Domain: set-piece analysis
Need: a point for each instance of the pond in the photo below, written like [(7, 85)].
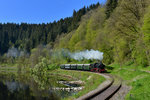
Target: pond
[(26, 87)]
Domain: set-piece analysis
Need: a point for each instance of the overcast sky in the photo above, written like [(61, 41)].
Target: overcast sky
[(39, 11)]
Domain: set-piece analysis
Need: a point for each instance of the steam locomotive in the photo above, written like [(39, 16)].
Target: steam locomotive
[(96, 67)]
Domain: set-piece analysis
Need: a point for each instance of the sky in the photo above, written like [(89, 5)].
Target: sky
[(40, 11)]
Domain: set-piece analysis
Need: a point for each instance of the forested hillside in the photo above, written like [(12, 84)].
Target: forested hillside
[(120, 29), (28, 36)]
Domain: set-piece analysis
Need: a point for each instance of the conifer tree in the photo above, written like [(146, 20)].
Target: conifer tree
[(110, 6)]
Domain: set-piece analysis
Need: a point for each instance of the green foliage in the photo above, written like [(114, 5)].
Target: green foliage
[(78, 37), (123, 27), (52, 67), (146, 34), (41, 68), (146, 26), (117, 34), (85, 35)]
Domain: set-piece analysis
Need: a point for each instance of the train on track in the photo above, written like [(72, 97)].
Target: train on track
[(96, 67)]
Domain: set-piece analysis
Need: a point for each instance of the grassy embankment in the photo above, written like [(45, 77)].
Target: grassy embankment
[(92, 80), (135, 77)]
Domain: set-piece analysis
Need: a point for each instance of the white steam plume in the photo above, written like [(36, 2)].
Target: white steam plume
[(87, 54), (14, 52)]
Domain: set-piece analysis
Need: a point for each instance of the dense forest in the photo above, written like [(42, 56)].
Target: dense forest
[(28, 36), (120, 29)]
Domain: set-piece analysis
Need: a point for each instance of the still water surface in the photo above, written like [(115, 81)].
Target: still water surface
[(21, 87)]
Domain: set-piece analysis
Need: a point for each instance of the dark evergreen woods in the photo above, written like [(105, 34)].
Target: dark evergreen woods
[(28, 36)]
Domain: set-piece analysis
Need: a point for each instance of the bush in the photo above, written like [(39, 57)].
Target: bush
[(52, 67), (42, 67)]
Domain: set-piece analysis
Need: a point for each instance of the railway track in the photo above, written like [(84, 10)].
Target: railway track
[(104, 92)]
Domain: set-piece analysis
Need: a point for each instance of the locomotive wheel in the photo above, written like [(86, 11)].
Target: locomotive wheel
[(99, 71)]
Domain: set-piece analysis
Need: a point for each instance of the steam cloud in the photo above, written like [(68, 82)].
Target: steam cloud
[(80, 55), (87, 54), (14, 52)]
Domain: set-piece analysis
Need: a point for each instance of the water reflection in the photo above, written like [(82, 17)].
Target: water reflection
[(27, 88), (17, 91), (15, 86)]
